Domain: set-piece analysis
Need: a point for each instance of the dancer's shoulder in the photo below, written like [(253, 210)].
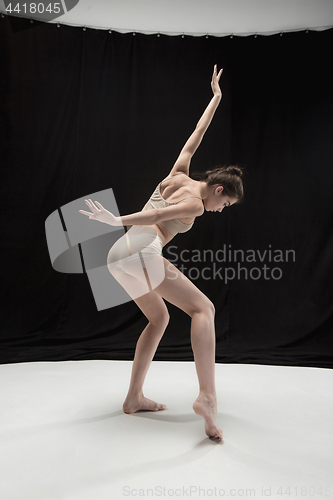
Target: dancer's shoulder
[(182, 164)]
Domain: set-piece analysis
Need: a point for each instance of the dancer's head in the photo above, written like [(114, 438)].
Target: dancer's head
[(221, 187)]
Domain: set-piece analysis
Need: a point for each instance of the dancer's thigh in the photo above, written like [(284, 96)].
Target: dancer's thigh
[(134, 286), (151, 304), (177, 289), (167, 281)]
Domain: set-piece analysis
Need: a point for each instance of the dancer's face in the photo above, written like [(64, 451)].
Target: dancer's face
[(217, 201)]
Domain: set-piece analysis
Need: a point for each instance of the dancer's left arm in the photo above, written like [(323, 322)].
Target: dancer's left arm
[(186, 208), (182, 163), (99, 213)]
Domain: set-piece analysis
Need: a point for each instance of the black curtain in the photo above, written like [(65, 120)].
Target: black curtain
[(87, 110)]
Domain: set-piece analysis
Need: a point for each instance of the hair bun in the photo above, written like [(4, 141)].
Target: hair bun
[(234, 170)]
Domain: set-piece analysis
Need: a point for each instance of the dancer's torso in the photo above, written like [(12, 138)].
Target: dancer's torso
[(168, 192)]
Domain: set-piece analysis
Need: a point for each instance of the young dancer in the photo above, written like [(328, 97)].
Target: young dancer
[(172, 209)]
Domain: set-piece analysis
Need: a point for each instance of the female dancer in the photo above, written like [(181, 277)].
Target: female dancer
[(172, 209)]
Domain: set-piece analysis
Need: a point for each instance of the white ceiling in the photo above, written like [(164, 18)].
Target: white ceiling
[(199, 17)]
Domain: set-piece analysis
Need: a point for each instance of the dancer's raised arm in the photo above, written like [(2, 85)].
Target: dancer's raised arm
[(183, 161)]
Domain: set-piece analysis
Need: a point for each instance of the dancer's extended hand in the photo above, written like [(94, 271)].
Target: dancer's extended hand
[(215, 81), (101, 214)]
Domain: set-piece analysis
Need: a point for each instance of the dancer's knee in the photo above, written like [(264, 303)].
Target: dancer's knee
[(160, 320), (205, 307)]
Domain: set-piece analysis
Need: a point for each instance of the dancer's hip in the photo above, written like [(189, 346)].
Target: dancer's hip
[(140, 243)]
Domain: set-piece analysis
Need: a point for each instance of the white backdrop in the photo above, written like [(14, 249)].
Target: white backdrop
[(199, 17)]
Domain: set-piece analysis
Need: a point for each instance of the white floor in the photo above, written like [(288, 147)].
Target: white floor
[(64, 434)]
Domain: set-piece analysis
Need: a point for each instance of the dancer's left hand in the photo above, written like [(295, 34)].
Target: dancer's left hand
[(100, 214), (215, 81)]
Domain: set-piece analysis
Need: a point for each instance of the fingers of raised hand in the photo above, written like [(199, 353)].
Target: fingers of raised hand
[(99, 205), (91, 205), (85, 213), (215, 69)]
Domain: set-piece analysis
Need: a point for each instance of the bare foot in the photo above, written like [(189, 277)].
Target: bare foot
[(206, 407), (141, 404)]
